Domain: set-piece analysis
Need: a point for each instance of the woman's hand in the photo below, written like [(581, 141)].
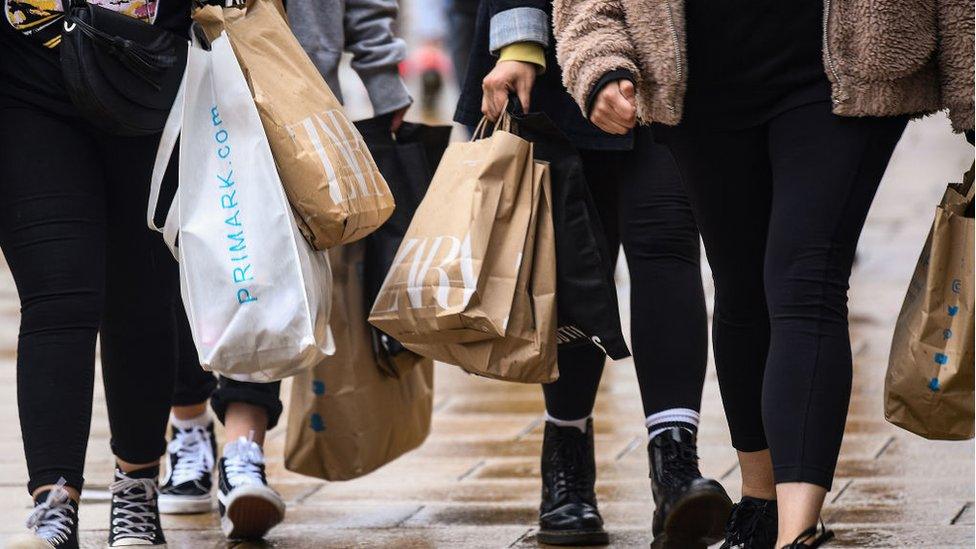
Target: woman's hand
[(506, 77), (615, 108)]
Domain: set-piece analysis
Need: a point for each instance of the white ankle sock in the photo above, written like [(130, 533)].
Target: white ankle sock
[(578, 423), (661, 421), (202, 420)]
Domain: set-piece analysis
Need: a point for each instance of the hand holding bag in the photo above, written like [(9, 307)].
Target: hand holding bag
[(121, 73)]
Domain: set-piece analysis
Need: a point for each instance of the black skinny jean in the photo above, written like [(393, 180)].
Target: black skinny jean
[(643, 206), (73, 231), (780, 207)]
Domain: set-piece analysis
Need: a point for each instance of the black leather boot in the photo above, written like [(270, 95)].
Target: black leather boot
[(691, 511), (568, 514)]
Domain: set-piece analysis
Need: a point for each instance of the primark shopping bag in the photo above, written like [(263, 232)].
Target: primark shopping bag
[(929, 385), (454, 275), (346, 417), (330, 178), (527, 351), (257, 297)]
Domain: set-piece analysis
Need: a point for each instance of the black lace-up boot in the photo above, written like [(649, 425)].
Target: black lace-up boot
[(812, 537), (752, 525), (691, 511), (568, 514)]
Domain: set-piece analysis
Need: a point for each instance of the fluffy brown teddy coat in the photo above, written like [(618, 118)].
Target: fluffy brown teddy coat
[(883, 57)]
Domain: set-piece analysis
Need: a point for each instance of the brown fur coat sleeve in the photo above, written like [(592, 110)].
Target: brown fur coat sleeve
[(591, 40), (956, 60)]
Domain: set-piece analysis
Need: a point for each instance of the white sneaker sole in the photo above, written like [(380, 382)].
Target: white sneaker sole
[(184, 505), (134, 542), (250, 511)]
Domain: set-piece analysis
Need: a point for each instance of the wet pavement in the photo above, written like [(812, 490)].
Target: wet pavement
[(475, 482)]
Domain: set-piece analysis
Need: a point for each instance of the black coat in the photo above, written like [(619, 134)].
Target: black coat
[(548, 94)]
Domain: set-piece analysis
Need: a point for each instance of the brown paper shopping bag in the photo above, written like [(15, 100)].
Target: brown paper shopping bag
[(929, 385), (346, 417), (527, 352), (328, 174), (454, 275)]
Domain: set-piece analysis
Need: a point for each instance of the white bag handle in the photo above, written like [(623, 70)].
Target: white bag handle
[(167, 142)]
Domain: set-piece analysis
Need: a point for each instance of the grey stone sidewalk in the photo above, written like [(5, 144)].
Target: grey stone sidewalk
[(475, 482)]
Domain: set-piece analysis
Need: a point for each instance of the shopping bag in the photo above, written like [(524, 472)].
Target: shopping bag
[(585, 289), (346, 418), (454, 274), (327, 171), (929, 384), (407, 161), (257, 297), (527, 351)]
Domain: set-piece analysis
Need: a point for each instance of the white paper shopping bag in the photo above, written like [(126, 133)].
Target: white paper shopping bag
[(256, 295)]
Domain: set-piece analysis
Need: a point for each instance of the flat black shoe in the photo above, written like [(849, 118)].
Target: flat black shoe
[(752, 525), (568, 514), (691, 511), (814, 536)]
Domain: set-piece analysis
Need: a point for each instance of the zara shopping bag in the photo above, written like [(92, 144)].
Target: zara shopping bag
[(527, 351), (256, 295), (347, 417), (328, 174), (929, 385), (453, 278)]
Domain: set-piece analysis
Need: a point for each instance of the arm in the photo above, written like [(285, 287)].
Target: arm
[(956, 60), (591, 41), (376, 52), (518, 34)]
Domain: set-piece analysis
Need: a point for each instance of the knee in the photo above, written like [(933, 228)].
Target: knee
[(807, 284), (673, 240), (65, 310)]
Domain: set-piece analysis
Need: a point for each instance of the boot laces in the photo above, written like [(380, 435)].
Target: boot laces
[(680, 462), (570, 476), (193, 449), (743, 525), (243, 462), (815, 536), (134, 509), (52, 520)]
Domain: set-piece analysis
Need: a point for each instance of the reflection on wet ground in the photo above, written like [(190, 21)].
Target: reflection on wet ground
[(475, 483)]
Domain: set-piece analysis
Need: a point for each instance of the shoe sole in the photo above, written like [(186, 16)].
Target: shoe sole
[(185, 505), (251, 512), (573, 537), (696, 522)]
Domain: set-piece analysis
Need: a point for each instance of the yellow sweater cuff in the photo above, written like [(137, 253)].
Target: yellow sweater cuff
[(527, 52)]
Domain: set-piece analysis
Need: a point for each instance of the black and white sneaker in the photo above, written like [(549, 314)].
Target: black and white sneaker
[(186, 488), (248, 507), (53, 522), (135, 512)]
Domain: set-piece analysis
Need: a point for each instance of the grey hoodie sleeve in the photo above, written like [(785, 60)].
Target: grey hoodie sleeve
[(376, 52)]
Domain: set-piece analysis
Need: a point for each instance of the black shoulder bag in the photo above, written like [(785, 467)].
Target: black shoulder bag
[(121, 73)]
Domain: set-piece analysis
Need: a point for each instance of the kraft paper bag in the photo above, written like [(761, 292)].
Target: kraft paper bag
[(454, 275), (328, 174), (929, 385), (527, 352), (346, 417)]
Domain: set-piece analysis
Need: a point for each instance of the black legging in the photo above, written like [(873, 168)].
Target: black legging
[(73, 230), (780, 207), (643, 206)]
